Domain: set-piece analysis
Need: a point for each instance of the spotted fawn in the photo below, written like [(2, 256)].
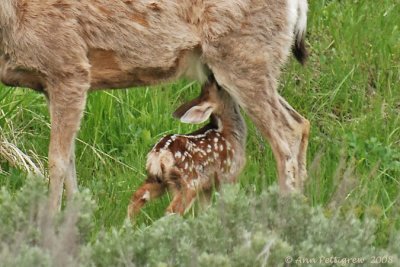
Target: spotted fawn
[(187, 165)]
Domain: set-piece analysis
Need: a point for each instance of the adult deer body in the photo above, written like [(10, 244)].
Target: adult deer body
[(188, 165), (65, 48)]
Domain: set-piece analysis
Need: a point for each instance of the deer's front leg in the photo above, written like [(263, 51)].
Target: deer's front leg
[(66, 106)]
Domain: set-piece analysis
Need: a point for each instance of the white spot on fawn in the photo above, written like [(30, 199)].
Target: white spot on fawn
[(178, 154), (167, 144), (228, 145), (146, 195)]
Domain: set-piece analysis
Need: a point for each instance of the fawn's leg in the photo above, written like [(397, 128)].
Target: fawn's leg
[(186, 191), (66, 103), (205, 198), (207, 189), (152, 188), (182, 201)]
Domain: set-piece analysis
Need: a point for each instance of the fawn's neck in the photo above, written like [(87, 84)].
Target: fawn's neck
[(233, 126)]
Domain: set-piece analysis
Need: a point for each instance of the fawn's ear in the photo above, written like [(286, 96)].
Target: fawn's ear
[(194, 112)]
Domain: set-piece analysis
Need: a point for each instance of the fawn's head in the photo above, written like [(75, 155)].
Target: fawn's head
[(212, 101)]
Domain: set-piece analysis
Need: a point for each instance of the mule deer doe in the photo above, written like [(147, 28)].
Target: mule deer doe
[(66, 48), (194, 163)]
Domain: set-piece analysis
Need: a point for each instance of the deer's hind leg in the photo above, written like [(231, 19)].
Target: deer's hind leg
[(248, 70), (304, 128)]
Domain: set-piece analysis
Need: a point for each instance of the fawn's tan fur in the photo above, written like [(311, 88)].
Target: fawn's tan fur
[(65, 48)]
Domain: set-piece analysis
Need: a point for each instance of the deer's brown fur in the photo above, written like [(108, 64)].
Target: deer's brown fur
[(66, 48)]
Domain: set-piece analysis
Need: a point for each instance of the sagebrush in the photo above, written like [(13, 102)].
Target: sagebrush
[(238, 230)]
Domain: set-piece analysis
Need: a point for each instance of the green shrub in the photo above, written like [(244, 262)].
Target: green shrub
[(237, 230)]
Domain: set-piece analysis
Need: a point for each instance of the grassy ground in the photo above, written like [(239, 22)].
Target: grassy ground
[(349, 90)]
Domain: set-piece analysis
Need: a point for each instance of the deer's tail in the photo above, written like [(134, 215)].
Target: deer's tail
[(299, 48)]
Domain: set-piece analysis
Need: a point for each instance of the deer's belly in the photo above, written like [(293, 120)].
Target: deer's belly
[(18, 77), (109, 70)]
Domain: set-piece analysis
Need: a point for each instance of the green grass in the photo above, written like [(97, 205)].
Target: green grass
[(349, 90)]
